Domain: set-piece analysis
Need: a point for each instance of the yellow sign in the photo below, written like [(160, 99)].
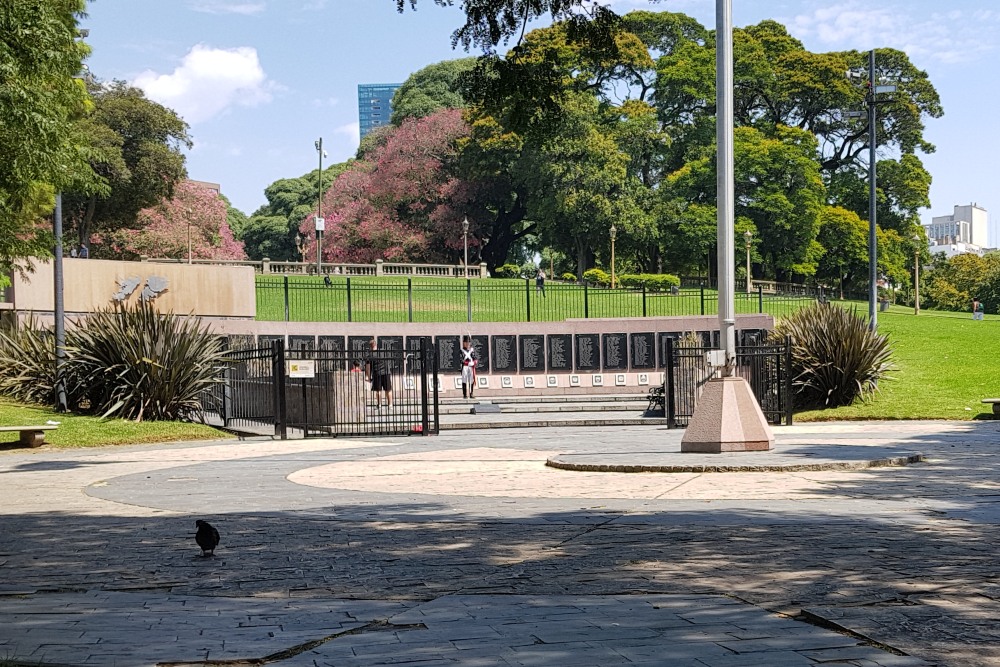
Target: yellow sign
[(302, 368)]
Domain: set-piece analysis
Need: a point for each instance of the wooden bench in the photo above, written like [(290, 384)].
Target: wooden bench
[(996, 404), (31, 436)]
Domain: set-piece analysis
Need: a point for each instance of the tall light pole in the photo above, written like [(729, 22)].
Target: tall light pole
[(917, 241), (871, 90), (748, 237), (614, 233), (189, 235), (465, 241), (320, 222), (62, 404)]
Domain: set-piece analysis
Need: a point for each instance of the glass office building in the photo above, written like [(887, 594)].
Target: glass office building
[(374, 105)]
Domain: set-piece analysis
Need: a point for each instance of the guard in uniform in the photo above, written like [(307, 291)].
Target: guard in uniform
[(470, 358)]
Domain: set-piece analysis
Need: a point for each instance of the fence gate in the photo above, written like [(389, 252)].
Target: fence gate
[(765, 367), (325, 393)]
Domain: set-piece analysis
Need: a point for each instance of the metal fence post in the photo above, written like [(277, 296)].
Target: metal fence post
[(788, 381), (703, 298), (349, 300), (468, 299), (424, 405), (286, 298), (671, 404), (760, 299), (586, 302), (644, 299), (432, 360), (409, 298), (527, 299), (278, 378)]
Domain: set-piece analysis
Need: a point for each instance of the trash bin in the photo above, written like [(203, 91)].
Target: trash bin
[(883, 305)]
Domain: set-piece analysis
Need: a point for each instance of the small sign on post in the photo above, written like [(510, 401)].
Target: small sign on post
[(320, 224), (302, 368)]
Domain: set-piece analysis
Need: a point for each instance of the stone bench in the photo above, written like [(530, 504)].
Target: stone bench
[(996, 404), (31, 436)]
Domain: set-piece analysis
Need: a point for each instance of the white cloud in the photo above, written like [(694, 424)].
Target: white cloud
[(208, 82), (351, 130), (952, 36), (228, 7), (328, 102)]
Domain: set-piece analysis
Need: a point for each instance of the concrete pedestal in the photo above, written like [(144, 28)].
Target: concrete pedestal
[(727, 419)]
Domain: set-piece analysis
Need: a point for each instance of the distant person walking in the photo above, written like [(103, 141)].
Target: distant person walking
[(540, 281), (377, 372), (84, 252), (977, 309)]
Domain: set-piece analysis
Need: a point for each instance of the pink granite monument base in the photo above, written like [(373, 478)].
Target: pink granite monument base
[(727, 418)]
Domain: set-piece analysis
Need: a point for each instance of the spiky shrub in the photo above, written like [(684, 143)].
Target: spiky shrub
[(27, 361), (137, 363), (836, 359)]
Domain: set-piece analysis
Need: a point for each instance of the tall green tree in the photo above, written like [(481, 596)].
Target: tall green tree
[(270, 231), (435, 87), (137, 151), (40, 98)]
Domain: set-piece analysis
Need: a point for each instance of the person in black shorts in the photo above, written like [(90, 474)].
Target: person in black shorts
[(377, 371)]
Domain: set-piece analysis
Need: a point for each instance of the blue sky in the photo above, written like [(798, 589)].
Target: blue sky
[(260, 80)]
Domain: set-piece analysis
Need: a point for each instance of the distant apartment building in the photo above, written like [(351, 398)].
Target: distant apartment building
[(966, 226), (375, 105), (214, 187)]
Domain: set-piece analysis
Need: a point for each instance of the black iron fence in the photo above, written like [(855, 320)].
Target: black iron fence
[(327, 393), (767, 367), (345, 299)]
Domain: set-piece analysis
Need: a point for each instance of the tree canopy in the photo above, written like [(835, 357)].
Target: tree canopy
[(626, 137), (40, 98)]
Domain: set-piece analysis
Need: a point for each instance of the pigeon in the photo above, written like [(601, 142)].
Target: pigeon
[(207, 537)]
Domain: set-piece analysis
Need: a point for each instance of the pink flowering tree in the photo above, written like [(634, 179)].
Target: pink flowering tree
[(402, 202), (195, 217)]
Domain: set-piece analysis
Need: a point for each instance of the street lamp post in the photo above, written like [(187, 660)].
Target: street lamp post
[(614, 233), (59, 311), (917, 240), (320, 222), (300, 247), (465, 241), (748, 237), (871, 89)]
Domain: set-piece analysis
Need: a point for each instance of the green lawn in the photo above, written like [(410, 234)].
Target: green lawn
[(82, 431), (388, 299), (946, 363)]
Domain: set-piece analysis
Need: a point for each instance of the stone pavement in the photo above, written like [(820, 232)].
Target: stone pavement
[(465, 549)]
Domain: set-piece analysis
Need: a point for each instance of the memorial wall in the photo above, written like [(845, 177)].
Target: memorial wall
[(575, 356)]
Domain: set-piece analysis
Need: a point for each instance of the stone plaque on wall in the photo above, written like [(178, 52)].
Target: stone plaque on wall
[(588, 352), (449, 357), (333, 346), (481, 344), (560, 352), (661, 346), (643, 350), (265, 340), (532, 350), (240, 342), (413, 346), (331, 343), (392, 343), (504, 354), (301, 342), (615, 347)]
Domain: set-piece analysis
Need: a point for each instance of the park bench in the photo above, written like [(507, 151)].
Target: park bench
[(656, 399), (31, 436), (996, 404)]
